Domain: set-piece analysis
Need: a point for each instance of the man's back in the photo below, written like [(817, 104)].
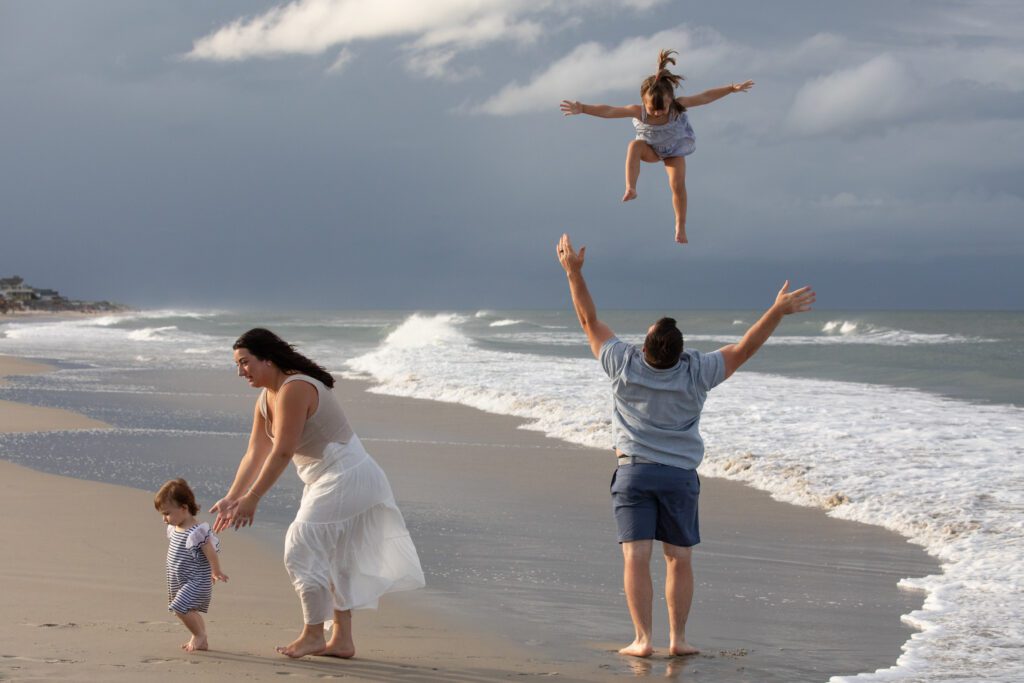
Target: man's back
[(657, 411)]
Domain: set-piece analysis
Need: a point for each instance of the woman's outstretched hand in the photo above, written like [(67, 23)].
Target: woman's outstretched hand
[(245, 511), (225, 509)]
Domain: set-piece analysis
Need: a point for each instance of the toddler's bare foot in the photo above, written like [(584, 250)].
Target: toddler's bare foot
[(682, 650), (637, 649), (196, 643), (303, 645), (339, 647), (681, 234), (630, 194)]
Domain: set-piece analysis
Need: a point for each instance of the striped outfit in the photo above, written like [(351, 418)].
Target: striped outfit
[(189, 584)]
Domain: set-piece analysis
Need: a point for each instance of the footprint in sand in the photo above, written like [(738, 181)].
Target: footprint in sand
[(48, 660)]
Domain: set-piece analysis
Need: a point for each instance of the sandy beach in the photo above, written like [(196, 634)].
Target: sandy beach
[(515, 534)]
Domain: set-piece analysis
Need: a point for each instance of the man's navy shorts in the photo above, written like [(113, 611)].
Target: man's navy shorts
[(656, 502)]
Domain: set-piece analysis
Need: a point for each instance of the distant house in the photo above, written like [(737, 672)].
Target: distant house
[(15, 295), (15, 292)]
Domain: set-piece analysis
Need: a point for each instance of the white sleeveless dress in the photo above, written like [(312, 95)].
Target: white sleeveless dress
[(348, 544)]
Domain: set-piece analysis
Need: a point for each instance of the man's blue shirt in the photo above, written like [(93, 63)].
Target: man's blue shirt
[(657, 412)]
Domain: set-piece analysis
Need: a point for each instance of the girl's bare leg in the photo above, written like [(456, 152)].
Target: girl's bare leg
[(194, 623), (309, 642), (676, 169), (637, 151), (341, 643)]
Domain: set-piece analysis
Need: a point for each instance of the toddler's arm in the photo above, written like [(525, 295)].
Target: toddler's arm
[(211, 556), (709, 96), (604, 111)]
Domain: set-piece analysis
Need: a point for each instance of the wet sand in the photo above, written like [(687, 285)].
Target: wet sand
[(516, 536)]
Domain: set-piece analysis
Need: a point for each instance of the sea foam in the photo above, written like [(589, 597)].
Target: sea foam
[(944, 473)]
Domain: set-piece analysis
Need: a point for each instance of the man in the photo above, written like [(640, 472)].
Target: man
[(658, 393)]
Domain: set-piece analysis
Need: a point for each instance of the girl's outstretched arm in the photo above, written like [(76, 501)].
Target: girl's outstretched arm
[(714, 94), (604, 111), (211, 556)]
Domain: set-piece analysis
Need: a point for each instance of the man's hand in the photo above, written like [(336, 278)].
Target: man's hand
[(798, 301), (567, 256)]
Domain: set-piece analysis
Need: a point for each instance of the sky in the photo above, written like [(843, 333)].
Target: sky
[(402, 154)]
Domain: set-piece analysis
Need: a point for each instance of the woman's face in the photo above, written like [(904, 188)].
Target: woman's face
[(256, 371)]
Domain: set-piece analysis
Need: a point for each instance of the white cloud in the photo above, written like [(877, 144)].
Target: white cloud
[(879, 91), (341, 61), (438, 64), (592, 70), (485, 30), (439, 28)]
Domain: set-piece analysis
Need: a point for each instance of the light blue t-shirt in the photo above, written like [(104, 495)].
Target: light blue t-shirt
[(657, 412)]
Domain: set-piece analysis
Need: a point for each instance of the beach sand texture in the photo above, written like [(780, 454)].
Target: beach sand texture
[(783, 593)]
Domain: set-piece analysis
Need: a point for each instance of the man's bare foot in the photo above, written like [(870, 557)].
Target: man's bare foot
[(630, 194), (196, 643), (637, 649), (681, 234), (682, 650), (302, 646), (339, 647)]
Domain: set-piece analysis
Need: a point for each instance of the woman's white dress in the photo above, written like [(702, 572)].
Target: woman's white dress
[(348, 544)]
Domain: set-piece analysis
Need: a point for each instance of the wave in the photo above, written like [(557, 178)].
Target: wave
[(804, 451), (105, 338), (506, 323)]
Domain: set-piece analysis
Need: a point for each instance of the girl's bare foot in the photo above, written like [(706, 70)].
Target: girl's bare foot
[(339, 647), (681, 234), (637, 649), (630, 194), (683, 650), (306, 644), (196, 643)]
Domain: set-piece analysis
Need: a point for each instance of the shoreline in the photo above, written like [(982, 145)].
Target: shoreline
[(753, 544)]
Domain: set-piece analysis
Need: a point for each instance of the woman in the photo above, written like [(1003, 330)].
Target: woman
[(348, 544)]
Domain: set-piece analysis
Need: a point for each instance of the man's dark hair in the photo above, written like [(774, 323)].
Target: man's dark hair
[(664, 344)]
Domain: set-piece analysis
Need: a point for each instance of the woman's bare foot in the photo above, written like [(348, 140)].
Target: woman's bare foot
[(630, 194), (339, 647), (681, 234), (196, 643), (306, 644), (637, 649), (683, 649)]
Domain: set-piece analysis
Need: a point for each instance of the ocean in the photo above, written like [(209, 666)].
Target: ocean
[(907, 420)]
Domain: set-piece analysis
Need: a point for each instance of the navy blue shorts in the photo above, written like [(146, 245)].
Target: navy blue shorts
[(656, 502)]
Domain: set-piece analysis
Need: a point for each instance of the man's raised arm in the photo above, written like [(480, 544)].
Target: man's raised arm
[(597, 332), (786, 302)]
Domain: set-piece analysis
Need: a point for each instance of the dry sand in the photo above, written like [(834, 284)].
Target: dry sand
[(783, 593)]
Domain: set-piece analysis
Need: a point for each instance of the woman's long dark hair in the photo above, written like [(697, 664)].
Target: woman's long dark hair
[(266, 345)]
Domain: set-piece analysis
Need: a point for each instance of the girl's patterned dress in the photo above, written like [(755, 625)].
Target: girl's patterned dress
[(189, 584), (674, 138)]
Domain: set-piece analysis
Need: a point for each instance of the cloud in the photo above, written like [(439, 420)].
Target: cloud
[(880, 90), (437, 30), (341, 61), (591, 70)]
